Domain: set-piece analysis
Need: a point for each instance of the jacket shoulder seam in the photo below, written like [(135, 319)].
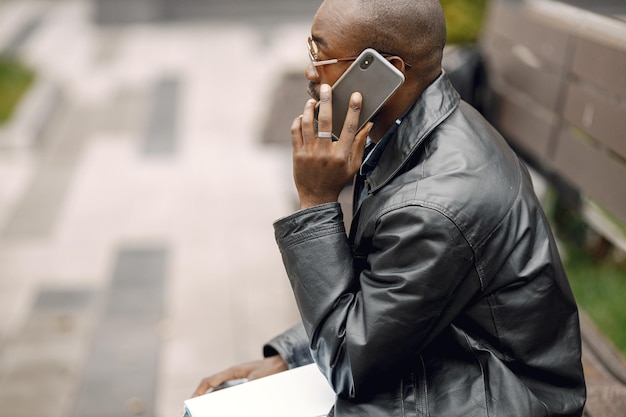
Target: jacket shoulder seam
[(448, 215)]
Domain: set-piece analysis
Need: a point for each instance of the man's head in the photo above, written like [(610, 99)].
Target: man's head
[(411, 31)]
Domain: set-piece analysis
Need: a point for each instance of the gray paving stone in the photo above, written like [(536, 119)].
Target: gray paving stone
[(227, 293), (130, 11), (126, 11), (121, 371), (67, 300), (162, 125)]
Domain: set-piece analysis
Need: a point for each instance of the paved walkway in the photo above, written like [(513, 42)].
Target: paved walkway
[(136, 204)]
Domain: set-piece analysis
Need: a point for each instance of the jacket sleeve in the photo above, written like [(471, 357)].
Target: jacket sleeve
[(292, 345), (412, 285)]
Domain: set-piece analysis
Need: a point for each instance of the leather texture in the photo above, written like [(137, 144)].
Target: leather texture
[(448, 298)]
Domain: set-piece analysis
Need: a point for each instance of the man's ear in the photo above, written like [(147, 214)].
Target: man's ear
[(397, 62)]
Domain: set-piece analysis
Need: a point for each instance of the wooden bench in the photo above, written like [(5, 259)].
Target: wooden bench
[(558, 74), (559, 77), (605, 372)]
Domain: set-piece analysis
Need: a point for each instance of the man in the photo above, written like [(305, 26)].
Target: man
[(448, 297)]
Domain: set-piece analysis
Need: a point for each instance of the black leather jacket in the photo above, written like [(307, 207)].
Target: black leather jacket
[(448, 298)]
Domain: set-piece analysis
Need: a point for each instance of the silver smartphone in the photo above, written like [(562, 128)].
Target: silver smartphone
[(374, 77)]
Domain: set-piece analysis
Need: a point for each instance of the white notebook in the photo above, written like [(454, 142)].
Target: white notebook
[(299, 392)]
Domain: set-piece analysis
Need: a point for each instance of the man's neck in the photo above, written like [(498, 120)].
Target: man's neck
[(385, 121)]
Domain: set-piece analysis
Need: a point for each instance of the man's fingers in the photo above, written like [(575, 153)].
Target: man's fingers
[(250, 370), (308, 119), (208, 383), (351, 124), (211, 382), (296, 132), (325, 110), (202, 389)]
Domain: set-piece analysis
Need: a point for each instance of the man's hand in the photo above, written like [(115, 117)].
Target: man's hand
[(322, 167), (250, 371)]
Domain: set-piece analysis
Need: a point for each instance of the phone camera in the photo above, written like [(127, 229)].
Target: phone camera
[(367, 61)]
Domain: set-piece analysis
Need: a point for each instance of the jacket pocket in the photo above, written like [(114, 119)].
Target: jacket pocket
[(414, 393), (422, 390)]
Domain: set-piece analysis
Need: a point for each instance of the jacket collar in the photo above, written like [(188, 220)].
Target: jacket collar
[(435, 104)]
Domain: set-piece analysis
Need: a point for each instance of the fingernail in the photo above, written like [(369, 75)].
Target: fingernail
[(324, 91), (356, 101)]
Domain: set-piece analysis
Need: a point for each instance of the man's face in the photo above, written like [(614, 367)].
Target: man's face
[(330, 41)]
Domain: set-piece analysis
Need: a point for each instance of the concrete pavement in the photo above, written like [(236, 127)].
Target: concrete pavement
[(114, 12), (137, 195)]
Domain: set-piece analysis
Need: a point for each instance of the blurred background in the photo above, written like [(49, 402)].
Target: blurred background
[(144, 154), (137, 195)]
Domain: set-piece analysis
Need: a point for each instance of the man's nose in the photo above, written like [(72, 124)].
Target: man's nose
[(311, 73)]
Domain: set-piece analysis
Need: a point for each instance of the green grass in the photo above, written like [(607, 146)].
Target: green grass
[(464, 19), (600, 290), (15, 79), (597, 280)]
